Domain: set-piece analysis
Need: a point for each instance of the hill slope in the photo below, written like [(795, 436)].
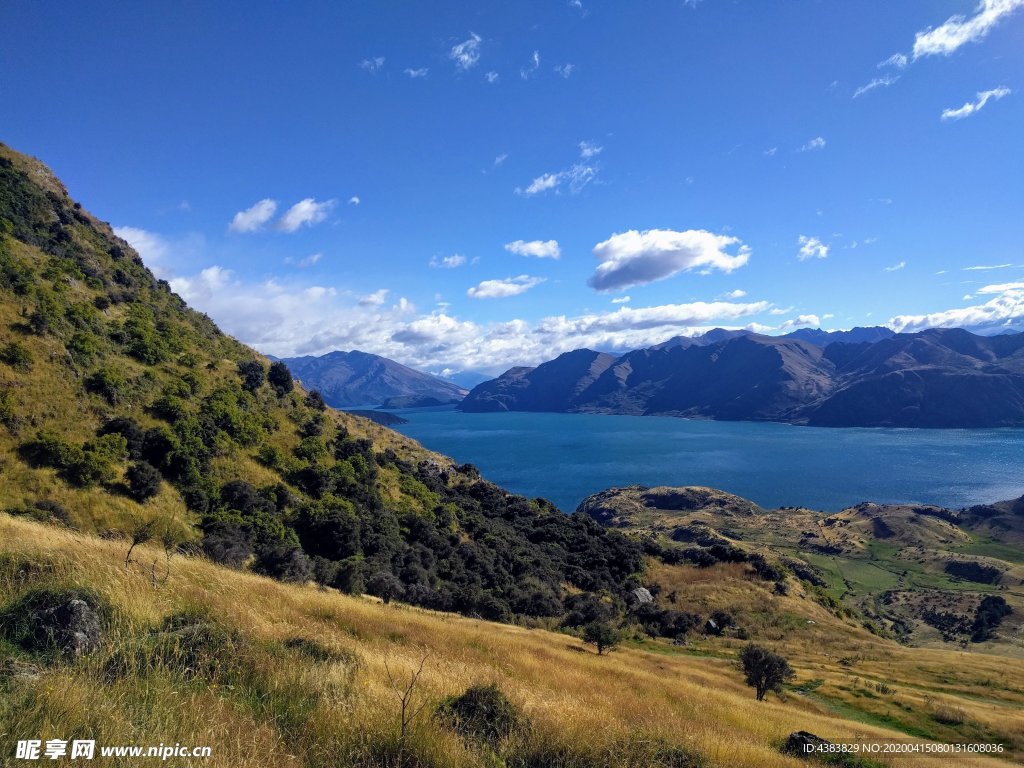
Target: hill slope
[(935, 378), (122, 411), (357, 378)]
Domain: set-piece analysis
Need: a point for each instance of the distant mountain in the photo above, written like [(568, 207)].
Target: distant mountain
[(858, 335), (358, 378), (936, 378)]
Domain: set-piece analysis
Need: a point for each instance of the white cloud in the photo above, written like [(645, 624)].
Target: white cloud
[(500, 160), (309, 261), (373, 65), (254, 218), (375, 299), (209, 281), (529, 71), (879, 82), (896, 267), (1007, 304), (959, 30), (897, 60), (306, 213), (737, 294), (448, 262), (153, 249), (770, 152), (492, 77), (467, 53), (811, 248), (589, 149), (541, 249), (813, 145), (636, 258), (576, 178), (803, 321), (985, 267), (500, 289), (621, 300), (565, 70), (354, 200), (417, 73), (970, 107)]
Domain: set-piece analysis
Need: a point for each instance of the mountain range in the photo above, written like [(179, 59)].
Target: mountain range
[(867, 377), (347, 379)]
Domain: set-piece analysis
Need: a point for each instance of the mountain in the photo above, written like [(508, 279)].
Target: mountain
[(123, 412), (857, 335), (935, 378), (358, 378)]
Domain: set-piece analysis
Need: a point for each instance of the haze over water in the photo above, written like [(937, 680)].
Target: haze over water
[(566, 457)]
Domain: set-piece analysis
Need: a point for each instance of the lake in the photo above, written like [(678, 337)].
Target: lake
[(566, 457)]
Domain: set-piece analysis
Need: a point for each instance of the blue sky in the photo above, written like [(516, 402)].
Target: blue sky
[(468, 186)]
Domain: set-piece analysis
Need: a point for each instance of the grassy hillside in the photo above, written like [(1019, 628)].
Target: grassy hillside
[(924, 575), (124, 412), (285, 675)]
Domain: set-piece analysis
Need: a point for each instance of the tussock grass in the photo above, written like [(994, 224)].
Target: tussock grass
[(276, 675)]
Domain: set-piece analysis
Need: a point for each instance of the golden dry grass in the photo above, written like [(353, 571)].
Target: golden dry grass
[(586, 710)]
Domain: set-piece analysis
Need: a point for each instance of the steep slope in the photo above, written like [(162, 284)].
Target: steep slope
[(358, 378), (857, 335), (123, 412)]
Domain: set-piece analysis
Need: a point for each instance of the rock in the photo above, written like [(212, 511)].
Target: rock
[(641, 595), (74, 627), (803, 744), (711, 627)]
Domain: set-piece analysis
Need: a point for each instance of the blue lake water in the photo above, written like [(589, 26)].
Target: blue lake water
[(566, 457)]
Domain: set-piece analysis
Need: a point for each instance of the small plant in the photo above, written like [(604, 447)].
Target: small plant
[(17, 356), (406, 695), (483, 713)]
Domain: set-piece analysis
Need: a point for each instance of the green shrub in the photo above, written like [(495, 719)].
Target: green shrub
[(17, 356), (482, 714), (110, 383)]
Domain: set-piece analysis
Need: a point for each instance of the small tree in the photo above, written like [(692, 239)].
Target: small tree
[(602, 635), (765, 671), (385, 585), (280, 378), (143, 481), (253, 375)]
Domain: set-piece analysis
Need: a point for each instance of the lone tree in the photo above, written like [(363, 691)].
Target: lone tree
[(601, 634), (765, 671), (253, 374)]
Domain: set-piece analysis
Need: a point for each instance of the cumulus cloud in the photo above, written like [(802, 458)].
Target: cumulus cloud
[(354, 200), (803, 321), (575, 179), (492, 77), (467, 53), (373, 65), (737, 294), (448, 262), (959, 30), (636, 258), (500, 289), (255, 217), (1007, 304), (879, 82), (589, 149), (153, 248), (565, 70), (897, 60), (811, 248), (621, 300), (896, 267), (417, 73), (374, 299), (305, 213), (970, 107), (813, 145), (541, 249)]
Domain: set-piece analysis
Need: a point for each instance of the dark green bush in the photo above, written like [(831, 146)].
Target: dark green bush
[(482, 714)]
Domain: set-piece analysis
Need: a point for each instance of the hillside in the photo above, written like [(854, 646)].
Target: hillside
[(935, 378), (919, 574), (124, 412), (357, 378), (271, 674)]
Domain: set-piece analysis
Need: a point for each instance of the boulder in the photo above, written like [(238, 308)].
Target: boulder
[(803, 744), (65, 622), (73, 627), (641, 596)]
